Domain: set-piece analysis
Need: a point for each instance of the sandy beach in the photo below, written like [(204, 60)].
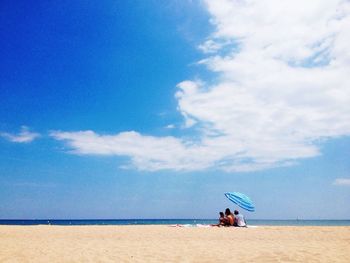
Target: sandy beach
[(173, 244)]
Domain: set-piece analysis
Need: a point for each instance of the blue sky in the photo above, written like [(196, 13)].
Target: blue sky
[(146, 109)]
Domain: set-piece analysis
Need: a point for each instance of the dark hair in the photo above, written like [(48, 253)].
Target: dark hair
[(221, 214), (236, 212), (227, 211)]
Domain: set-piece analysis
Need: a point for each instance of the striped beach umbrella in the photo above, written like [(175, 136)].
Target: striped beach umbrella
[(241, 200)]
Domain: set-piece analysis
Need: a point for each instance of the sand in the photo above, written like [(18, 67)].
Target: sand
[(173, 244)]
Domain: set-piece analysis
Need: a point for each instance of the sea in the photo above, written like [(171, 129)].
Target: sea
[(186, 222)]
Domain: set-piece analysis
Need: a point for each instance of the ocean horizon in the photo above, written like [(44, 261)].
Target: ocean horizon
[(189, 222)]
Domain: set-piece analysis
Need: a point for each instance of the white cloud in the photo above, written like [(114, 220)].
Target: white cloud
[(24, 136), (211, 46), (146, 152), (342, 181), (282, 86), (170, 126)]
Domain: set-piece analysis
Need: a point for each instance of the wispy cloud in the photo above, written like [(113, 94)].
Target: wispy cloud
[(24, 136), (146, 152), (282, 85), (170, 126), (342, 181)]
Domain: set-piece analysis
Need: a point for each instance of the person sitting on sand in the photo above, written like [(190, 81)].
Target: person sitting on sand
[(239, 219), (230, 219), (222, 220)]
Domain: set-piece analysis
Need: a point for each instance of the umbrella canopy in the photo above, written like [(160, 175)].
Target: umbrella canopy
[(241, 200)]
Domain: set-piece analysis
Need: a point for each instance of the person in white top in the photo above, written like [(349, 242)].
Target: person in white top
[(239, 219)]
